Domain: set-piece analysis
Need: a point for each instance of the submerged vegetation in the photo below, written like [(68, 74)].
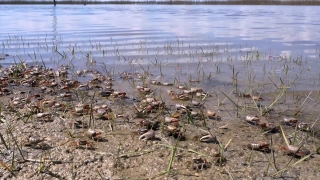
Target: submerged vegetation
[(169, 2)]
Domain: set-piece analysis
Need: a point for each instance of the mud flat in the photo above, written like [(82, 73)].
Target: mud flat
[(153, 121)]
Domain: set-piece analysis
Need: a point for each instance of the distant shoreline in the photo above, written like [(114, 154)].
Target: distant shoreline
[(168, 2)]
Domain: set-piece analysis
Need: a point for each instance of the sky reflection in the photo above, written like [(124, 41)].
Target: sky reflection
[(261, 26)]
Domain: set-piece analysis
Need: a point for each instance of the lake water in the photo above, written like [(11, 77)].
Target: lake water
[(118, 34), (103, 31)]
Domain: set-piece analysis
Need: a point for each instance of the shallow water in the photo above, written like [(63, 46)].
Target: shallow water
[(141, 34), (277, 30)]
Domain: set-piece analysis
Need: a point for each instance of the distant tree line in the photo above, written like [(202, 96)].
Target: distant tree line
[(169, 2)]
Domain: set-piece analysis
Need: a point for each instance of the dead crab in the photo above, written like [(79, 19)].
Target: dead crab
[(259, 146)]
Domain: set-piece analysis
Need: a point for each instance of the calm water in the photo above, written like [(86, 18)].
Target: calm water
[(113, 34)]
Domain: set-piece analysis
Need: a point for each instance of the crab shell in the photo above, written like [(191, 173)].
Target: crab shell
[(41, 115), (167, 84), (179, 106), (79, 109), (304, 126), (290, 121), (257, 98), (195, 103), (195, 90), (48, 103), (257, 146), (170, 119), (211, 113), (155, 82), (252, 118), (171, 128), (184, 97)]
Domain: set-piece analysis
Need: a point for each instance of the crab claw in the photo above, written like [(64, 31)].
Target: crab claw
[(208, 138), (93, 133), (295, 151), (290, 149), (148, 135), (252, 118)]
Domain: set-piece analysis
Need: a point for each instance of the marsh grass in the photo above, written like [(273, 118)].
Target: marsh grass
[(170, 2)]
